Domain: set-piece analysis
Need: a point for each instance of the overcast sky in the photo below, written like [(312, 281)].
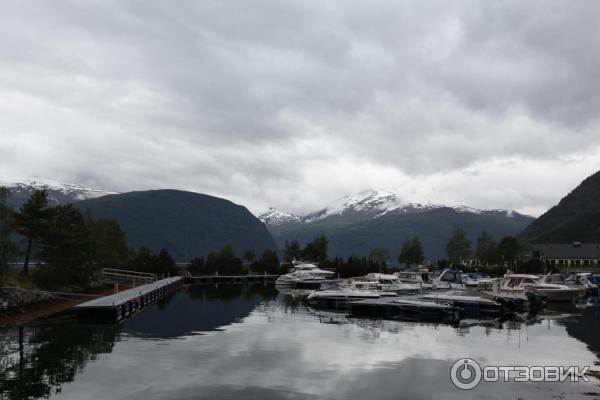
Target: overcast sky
[(295, 103)]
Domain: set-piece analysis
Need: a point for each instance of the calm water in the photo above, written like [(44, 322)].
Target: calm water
[(251, 342)]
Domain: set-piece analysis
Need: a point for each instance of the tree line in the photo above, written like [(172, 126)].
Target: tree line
[(67, 245), (492, 255)]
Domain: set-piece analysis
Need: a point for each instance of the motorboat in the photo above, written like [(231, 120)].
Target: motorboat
[(420, 276), (306, 275), (345, 293), (586, 279), (296, 277), (312, 269), (476, 279), (446, 280), (469, 302), (386, 283), (555, 292)]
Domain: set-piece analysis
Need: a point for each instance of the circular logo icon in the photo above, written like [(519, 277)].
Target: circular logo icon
[(465, 373)]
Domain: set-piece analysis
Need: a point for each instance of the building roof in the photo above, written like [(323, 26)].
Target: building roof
[(569, 251)]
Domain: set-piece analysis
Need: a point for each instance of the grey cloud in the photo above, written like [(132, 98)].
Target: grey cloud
[(244, 99)]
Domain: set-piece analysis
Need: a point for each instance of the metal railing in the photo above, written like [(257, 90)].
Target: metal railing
[(123, 274)]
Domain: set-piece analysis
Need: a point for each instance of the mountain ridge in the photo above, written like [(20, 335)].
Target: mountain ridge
[(372, 203), (58, 192), (576, 217), (355, 224), (187, 224)]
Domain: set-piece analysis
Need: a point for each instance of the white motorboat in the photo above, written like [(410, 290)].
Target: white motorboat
[(304, 275), (345, 292), (386, 283), (312, 269), (476, 280), (446, 280), (297, 277), (523, 283)]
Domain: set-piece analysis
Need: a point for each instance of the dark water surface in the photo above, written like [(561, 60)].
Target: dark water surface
[(251, 342)]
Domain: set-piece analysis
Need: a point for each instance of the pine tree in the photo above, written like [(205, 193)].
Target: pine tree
[(316, 250), (509, 248), (249, 255), (108, 245), (458, 247), (379, 255), (292, 250), (33, 220), (65, 247), (411, 252), (8, 248), (487, 249)]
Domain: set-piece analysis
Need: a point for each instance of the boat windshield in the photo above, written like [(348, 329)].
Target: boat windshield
[(594, 279)]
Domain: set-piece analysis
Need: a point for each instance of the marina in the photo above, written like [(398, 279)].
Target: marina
[(243, 332)]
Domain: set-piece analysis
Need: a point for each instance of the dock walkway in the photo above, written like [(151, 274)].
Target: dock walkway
[(121, 305)]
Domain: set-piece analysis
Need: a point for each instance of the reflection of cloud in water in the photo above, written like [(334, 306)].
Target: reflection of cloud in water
[(282, 355)]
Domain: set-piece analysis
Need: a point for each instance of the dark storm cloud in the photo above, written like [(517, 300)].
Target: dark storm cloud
[(295, 103)]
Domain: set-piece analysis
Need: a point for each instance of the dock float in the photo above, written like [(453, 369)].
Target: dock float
[(126, 303), (257, 278)]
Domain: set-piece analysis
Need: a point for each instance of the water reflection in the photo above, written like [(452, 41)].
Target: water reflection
[(198, 309), (230, 342), (38, 359)]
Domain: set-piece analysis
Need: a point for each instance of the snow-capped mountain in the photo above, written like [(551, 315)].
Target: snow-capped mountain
[(58, 192), (370, 204), (356, 224), (274, 217)]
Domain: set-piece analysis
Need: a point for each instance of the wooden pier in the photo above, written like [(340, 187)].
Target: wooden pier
[(123, 304)]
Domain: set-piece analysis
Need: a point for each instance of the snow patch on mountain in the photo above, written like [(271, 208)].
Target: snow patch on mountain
[(375, 203), (466, 209), (275, 217), (58, 192), (372, 204)]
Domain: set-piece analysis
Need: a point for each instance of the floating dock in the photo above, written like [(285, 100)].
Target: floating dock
[(258, 278), (123, 304)]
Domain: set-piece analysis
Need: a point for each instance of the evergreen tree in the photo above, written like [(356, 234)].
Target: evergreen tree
[(197, 266), (108, 245), (8, 248), (292, 250), (379, 255), (142, 260), (411, 252), (487, 249), (33, 219), (509, 249), (249, 255), (316, 250), (160, 264), (164, 264), (65, 248), (269, 262), (224, 262), (458, 247)]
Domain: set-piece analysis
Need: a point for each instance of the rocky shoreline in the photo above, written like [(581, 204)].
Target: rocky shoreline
[(15, 301)]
